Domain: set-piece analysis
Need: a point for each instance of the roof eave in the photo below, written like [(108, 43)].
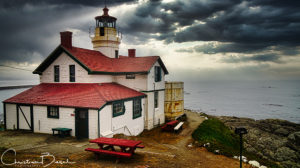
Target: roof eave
[(59, 49), (117, 73), (126, 99)]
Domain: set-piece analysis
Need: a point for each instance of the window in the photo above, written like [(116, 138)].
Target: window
[(101, 31), (137, 108), (116, 54), (53, 112), (157, 74), (130, 76), (156, 99), (56, 73), (118, 108), (72, 73)]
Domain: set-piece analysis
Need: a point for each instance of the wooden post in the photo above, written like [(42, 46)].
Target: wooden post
[(31, 118), (4, 111), (17, 108)]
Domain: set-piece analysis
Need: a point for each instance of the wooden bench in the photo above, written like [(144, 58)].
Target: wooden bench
[(108, 152), (178, 127), (62, 132)]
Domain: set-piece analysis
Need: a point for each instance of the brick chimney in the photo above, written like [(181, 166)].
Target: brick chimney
[(131, 53), (66, 39)]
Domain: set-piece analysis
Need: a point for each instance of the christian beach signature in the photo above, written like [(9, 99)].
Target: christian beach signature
[(41, 162)]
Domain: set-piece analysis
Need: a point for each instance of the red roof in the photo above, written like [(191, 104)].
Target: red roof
[(96, 62), (83, 95)]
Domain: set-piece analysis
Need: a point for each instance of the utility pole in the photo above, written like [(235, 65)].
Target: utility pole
[(241, 131)]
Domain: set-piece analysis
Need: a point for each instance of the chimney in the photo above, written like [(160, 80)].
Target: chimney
[(66, 39), (131, 53)]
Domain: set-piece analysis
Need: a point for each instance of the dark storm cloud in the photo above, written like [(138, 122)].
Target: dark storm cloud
[(254, 58), (30, 29), (246, 25), (214, 48), (93, 3)]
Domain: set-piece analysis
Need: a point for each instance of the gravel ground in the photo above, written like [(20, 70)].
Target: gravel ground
[(162, 149)]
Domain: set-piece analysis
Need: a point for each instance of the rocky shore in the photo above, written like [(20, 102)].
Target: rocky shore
[(271, 139)]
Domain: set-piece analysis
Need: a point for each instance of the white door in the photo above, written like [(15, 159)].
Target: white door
[(24, 117)]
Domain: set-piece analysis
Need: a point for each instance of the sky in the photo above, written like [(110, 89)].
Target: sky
[(196, 39)]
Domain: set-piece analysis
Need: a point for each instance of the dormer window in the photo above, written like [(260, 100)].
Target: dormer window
[(157, 74), (56, 73), (72, 73)]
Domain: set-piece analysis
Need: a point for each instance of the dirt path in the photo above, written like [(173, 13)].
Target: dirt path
[(162, 149)]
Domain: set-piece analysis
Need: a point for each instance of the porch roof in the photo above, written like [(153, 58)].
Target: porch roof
[(80, 95)]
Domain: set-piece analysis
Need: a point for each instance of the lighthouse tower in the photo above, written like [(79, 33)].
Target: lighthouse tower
[(106, 39)]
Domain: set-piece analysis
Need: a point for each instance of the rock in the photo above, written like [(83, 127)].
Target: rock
[(243, 158), (268, 153), (289, 164), (250, 149), (206, 145), (295, 138), (282, 131), (254, 163), (285, 154), (263, 167), (190, 145), (271, 139), (217, 151)]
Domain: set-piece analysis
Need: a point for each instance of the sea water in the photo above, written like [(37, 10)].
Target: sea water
[(5, 94), (252, 99)]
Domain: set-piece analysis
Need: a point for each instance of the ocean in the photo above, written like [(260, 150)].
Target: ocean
[(251, 99)]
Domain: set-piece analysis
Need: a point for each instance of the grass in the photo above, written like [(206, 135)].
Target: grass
[(1, 127), (221, 138)]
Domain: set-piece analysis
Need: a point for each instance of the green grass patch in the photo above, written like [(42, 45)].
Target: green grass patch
[(1, 127), (221, 138)]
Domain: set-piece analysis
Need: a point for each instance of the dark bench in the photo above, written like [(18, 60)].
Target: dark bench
[(62, 132), (108, 152), (169, 126)]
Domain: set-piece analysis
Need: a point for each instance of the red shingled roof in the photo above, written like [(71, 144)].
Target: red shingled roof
[(83, 95), (96, 62)]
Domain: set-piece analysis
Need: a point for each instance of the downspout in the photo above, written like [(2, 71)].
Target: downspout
[(98, 124), (99, 119), (154, 104)]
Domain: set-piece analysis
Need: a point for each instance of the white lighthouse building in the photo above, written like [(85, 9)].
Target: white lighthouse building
[(95, 92)]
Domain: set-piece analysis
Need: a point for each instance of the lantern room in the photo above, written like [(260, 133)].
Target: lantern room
[(107, 38), (105, 21)]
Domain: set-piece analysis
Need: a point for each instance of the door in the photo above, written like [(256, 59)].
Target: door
[(24, 117), (81, 123)]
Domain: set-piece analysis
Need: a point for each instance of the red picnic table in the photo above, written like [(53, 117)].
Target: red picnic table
[(169, 126), (107, 146)]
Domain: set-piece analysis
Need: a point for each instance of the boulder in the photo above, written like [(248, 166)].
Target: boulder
[(285, 154), (295, 138), (254, 163), (282, 131)]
